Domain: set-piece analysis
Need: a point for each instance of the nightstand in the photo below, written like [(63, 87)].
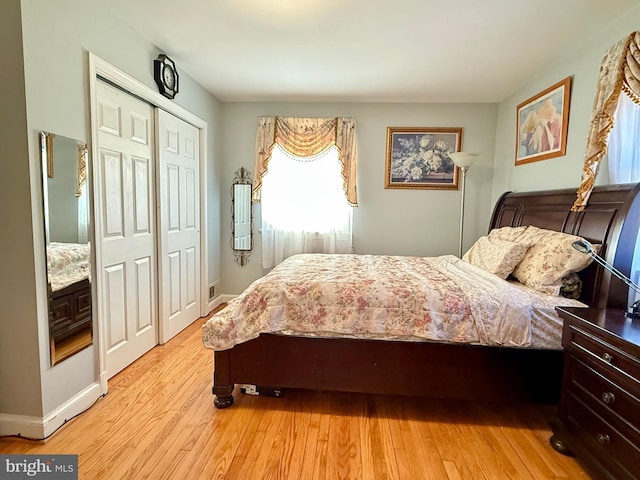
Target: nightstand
[(599, 413)]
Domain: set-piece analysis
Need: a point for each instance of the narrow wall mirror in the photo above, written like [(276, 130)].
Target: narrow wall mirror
[(241, 216), (66, 203)]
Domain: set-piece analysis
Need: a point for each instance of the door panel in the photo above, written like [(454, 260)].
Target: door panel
[(144, 285), (128, 238), (141, 196), (115, 307), (179, 223)]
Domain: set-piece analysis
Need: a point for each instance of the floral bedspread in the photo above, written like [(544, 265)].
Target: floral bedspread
[(373, 296), (67, 263)]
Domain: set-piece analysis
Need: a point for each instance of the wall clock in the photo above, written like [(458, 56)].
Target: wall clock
[(166, 75)]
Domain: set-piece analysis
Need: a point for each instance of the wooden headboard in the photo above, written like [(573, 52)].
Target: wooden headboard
[(611, 218)]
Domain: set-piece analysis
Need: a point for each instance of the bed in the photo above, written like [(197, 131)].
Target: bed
[(68, 269), (466, 369)]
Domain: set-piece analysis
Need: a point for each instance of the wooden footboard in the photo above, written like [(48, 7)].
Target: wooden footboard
[(450, 371)]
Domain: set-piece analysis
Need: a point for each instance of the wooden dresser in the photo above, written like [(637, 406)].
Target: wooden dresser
[(599, 414), (70, 310)]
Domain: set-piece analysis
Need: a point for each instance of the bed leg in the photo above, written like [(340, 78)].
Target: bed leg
[(559, 446), (223, 396)]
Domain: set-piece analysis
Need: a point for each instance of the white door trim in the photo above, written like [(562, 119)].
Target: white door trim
[(98, 66)]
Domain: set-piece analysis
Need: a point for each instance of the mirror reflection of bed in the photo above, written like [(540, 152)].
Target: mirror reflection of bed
[(68, 249)]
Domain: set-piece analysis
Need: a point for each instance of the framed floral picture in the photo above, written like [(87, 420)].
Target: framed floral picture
[(541, 124), (419, 157)]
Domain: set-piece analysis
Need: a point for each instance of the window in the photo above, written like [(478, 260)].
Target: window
[(624, 162), (304, 207), (624, 143)]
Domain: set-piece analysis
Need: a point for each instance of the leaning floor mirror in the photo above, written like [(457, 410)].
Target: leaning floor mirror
[(68, 250)]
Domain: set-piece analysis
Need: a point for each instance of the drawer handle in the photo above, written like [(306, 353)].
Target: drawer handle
[(603, 439), (608, 398), (607, 357)]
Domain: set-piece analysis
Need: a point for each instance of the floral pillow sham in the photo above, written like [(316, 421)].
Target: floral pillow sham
[(510, 234), (550, 259), (495, 255)]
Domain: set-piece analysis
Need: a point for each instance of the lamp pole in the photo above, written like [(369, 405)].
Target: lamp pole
[(464, 178), (463, 161)]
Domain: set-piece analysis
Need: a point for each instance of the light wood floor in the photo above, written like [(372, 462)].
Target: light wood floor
[(71, 345), (158, 421)]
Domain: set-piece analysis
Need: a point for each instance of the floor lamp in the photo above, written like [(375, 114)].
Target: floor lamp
[(463, 160)]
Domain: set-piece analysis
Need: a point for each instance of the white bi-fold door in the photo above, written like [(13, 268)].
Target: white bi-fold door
[(149, 232), (179, 180)]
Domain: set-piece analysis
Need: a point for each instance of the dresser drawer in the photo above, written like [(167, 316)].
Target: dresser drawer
[(82, 301), (604, 441), (605, 398), (603, 355)]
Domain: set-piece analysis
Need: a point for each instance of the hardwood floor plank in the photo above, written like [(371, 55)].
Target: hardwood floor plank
[(321, 456), (340, 452), (250, 446), (403, 445), (425, 444), (266, 463), (453, 443), (318, 405), (158, 422), (294, 451), (376, 461)]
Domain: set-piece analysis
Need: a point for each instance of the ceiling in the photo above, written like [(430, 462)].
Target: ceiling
[(366, 50)]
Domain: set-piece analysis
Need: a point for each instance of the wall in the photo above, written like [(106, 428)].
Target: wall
[(387, 221), (56, 37), (20, 391), (565, 171)]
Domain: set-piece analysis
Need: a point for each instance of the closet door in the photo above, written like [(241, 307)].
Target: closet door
[(179, 223), (127, 232)]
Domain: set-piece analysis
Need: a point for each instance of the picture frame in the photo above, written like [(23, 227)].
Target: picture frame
[(542, 123), (418, 157)]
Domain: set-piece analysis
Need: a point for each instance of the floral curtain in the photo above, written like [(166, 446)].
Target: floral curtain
[(619, 72), (81, 168), (305, 137)]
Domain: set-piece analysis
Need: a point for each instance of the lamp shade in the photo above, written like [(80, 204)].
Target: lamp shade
[(463, 159)]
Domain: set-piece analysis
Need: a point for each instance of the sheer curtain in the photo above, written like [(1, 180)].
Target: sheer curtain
[(624, 162), (83, 216), (624, 143), (304, 207)]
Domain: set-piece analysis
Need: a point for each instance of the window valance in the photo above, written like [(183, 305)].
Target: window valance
[(619, 72), (306, 137)]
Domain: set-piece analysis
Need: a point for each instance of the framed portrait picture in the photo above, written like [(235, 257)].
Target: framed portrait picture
[(541, 124), (418, 157)]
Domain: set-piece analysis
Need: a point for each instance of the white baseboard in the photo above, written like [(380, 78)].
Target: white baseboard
[(21, 426), (41, 427), (215, 302)]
